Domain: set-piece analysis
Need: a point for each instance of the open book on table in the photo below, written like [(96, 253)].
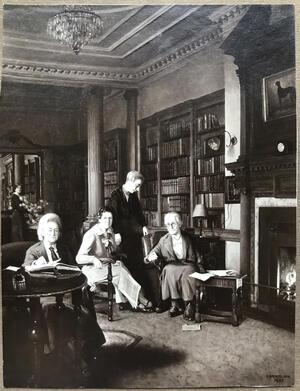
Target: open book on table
[(50, 266), (213, 273)]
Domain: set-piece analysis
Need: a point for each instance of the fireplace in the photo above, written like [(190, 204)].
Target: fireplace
[(275, 256)]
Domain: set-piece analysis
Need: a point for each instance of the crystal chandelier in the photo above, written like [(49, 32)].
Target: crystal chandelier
[(76, 26)]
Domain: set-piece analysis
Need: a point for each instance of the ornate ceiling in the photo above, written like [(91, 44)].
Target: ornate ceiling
[(138, 41)]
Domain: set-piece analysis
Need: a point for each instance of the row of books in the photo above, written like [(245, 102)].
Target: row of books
[(150, 171), (210, 166), (211, 200), (207, 121), (149, 203), (176, 167), (151, 218), (210, 183), (149, 188), (108, 190), (176, 203), (110, 165), (152, 136), (110, 178), (176, 129), (111, 149), (175, 186), (185, 217), (175, 148), (149, 154)]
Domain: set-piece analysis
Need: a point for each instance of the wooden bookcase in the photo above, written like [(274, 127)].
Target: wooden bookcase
[(209, 168), (115, 167), (180, 162)]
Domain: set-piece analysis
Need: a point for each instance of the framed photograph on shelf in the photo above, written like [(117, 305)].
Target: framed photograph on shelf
[(279, 95), (232, 193), (213, 145)]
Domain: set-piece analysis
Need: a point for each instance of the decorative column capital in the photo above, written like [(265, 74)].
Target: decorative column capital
[(129, 94)]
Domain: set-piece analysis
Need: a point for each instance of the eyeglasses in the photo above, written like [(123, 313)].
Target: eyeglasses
[(172, 224)]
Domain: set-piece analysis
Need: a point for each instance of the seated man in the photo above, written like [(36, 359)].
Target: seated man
[(179, 258), (50, 250), (98, 248)]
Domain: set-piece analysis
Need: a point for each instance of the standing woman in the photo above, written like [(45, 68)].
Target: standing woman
[(129, 225), (18, 222)]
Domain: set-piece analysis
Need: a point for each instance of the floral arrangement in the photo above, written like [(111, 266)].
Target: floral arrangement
[(35, 210)]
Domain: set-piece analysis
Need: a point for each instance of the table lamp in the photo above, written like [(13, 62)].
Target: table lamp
[(200, 212)]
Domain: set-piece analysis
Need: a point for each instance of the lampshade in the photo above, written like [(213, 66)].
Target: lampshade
[(200, 210)]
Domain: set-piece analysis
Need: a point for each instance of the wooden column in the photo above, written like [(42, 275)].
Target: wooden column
[(131, 124), (95, 142), (19, 170), (245, 229)]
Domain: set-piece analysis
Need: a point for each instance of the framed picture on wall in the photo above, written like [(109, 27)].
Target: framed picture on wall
[(279, 95), (232, 193)]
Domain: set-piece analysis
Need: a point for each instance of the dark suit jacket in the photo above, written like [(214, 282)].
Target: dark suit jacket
[(165, 252), (38, 250), (128, 218)]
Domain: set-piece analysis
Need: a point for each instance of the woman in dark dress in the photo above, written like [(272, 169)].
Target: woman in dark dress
[(18, 222), (129, 225)]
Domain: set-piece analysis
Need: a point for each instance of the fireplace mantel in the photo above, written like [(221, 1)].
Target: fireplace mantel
[(271, 176)]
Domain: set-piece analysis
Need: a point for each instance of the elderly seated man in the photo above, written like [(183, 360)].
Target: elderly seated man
[(98, 248), (180, 258)]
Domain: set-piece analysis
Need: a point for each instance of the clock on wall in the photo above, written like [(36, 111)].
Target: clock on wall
[(213, 145)]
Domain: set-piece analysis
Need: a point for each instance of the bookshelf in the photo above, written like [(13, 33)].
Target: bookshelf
[(115, 167), (32, 178), (182, 159), (209, 168), (150, 167)]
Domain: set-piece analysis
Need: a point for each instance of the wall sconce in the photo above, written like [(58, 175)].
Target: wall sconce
[(200, 211), (233, 140)]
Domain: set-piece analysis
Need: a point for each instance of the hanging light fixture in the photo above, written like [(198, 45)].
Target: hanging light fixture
[(76, 26)]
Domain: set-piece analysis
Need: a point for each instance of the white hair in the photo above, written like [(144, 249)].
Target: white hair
[(133, 176), (174, 215), (44, 220)]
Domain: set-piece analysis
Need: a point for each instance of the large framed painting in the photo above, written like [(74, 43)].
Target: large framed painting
[(279, 95)]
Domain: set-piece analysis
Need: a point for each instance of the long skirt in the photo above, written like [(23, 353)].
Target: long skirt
[(126, 288), (176, 283)]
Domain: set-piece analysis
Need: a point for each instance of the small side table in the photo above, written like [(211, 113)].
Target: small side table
[(32, 297), (235, 283)]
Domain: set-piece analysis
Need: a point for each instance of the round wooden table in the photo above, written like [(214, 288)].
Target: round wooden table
[(30, 298)]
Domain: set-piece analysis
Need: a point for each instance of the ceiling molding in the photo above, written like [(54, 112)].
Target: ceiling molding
[(17, 41), (141, 26), (120, 23), (185, 15), (92, 75), (46, 73)]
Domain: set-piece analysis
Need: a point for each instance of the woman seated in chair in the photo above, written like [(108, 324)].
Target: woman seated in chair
[(51, 250), (99, 248), (179, 259)]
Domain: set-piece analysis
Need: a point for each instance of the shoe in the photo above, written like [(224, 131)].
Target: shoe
[(159, 309), (148, 307), (189, 312), (175, 311)]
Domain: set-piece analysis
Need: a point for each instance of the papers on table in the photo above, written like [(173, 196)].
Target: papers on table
[(214, 273), (201, 276), (223, 273)]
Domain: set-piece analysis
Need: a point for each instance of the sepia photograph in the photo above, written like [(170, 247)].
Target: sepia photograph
[(148, 195)]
